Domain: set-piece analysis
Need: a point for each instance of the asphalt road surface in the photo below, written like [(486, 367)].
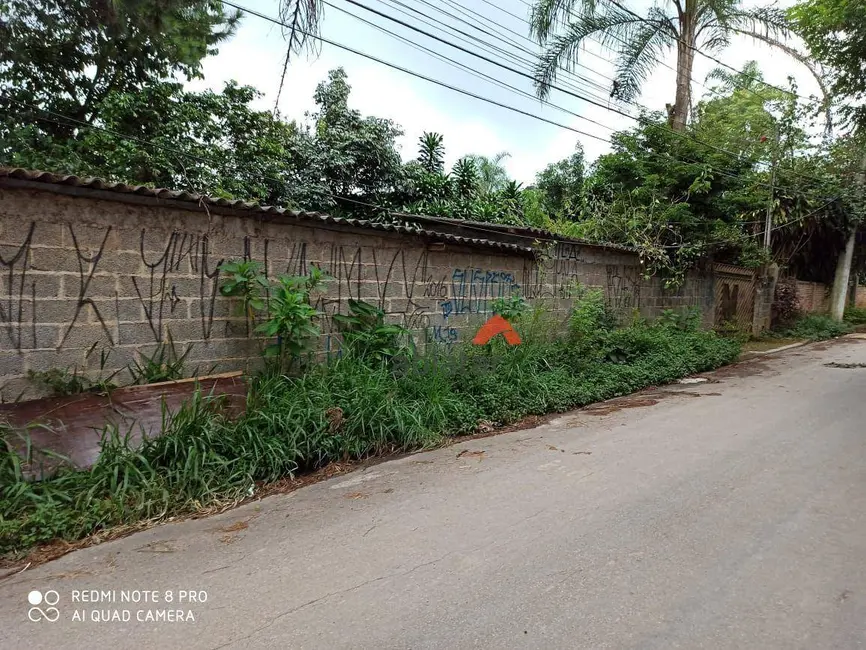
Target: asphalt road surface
[(729, 514)]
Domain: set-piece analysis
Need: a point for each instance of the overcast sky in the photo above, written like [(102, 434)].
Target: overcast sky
[(255, 55)]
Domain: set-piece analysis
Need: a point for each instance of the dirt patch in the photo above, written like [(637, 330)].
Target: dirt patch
[(845, 365), (748, 368), (606, 408)]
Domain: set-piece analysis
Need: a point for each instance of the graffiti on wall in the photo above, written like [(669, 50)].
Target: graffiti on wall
[(12, 308), (181, 254), (87, 266), (623, 288), (172, 269)]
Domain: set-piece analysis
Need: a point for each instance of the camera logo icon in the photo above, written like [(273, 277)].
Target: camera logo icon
[(43, 606)]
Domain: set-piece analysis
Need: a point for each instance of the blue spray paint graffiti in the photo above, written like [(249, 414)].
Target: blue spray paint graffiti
[(442, 334), (472, 290)]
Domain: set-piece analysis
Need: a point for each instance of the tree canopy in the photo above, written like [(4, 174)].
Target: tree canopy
[(65, 58), (835, 32)]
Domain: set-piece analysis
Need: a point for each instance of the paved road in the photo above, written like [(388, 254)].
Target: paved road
[(728, 515)]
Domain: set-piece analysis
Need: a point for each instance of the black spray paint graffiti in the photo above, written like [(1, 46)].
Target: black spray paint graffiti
[(209, 283), (155, 292), (85, 276), (12, 313), (556, 276), (623, 288)]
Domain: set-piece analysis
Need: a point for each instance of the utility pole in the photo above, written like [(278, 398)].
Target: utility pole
[(771, 202), (843, 265)]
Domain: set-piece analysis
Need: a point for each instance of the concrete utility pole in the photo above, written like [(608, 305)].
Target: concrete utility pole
[(771, 202), (843, 265)]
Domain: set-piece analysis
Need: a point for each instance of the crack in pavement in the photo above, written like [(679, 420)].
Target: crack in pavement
[(343, 591)]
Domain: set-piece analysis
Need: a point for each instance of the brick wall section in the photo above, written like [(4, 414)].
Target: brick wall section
[(814, 297), (860, 298), (80, 273)]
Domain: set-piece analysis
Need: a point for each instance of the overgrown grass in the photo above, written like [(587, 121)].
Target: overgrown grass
[(815, 327), (348, 409)]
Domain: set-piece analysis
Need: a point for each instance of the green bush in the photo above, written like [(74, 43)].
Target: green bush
[(855, 315), (815, 327), (350, 408)]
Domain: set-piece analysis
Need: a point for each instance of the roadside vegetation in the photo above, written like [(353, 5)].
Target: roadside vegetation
[(381, 396), (815, 327)]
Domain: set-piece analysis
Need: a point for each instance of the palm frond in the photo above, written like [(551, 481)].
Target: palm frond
[(717, 10), (772, 22), (301, 20), (611, 27), (714, 38), (817, 73), (638, 56), (548, 15), (722, 75)]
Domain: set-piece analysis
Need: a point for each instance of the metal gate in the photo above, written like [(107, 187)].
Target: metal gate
[(735, 296)]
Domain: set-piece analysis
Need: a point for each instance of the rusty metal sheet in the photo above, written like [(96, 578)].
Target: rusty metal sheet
[(73, 425)]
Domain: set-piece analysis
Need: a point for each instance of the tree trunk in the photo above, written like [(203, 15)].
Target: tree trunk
[(840, 282), (679, 114)]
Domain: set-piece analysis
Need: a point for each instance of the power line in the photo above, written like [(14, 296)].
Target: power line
[(467, 12), (458, 64), (490, 101), (479, 56), (394, 66), (526, 75), (478, 18)]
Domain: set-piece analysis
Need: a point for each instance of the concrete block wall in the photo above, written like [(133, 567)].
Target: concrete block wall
[(80, 274)]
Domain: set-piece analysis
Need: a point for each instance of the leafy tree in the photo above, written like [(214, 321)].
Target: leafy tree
[(199, 141), (466, 179), (835, 32), (354, 157), (65, 58), (737, 116), (561, 185), (639, 43), (672, 198)]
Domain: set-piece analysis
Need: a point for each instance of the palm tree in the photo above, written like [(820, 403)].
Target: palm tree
[(491, 173), (639, 42)]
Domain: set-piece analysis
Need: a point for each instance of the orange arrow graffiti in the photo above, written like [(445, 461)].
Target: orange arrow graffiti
[(496, 325)]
